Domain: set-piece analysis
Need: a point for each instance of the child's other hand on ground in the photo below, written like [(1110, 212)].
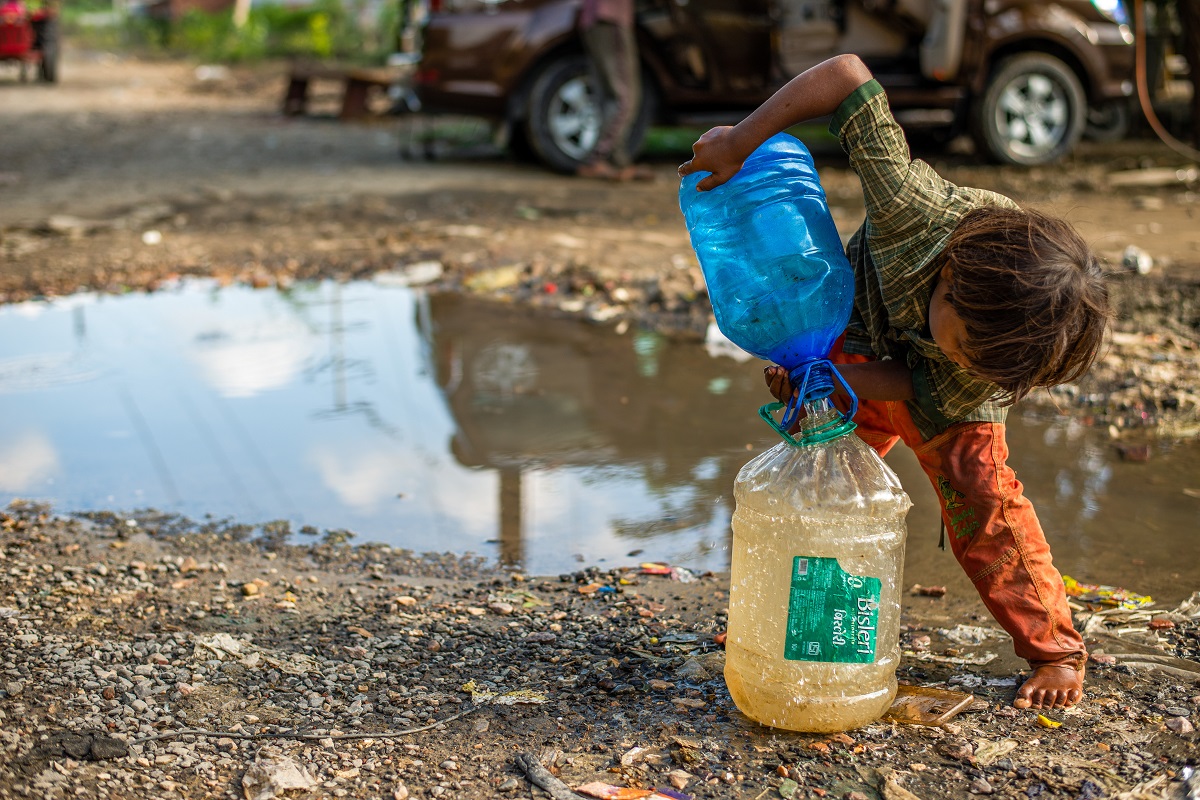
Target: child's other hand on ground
[(1051, 686), (717, 152)]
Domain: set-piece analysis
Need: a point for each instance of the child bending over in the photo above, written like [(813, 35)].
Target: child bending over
[(964, 303)]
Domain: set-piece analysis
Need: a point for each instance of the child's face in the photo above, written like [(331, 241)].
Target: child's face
[(945, 327)]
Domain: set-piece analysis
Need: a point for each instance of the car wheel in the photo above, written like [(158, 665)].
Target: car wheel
[(48, 69), (1032, 112), (1109, 122), (564, 115)]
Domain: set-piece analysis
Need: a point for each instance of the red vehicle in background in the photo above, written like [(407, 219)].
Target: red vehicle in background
[(30, 37)]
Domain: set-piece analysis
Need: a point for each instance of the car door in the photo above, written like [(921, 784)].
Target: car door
[(715, 50)]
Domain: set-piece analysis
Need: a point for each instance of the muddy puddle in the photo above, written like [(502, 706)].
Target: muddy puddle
[(441, 423)]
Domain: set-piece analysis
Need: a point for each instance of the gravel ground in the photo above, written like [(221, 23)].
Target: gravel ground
[(394, 674)]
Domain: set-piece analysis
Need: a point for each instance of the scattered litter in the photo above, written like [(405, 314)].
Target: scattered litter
[(974, 661), (494, 280), (1135, 259), (268, 777), (718, 344), (222, 645), (676, 637), (526, 598), (607, 791), (987, 752), (1155, 176), (972, 681), (1099, 594), (969, 634), (295, 664), (418, 274), (681, 574), (1188, 608), (1046, 722), (926, 705), (928, 591), (522, 696)]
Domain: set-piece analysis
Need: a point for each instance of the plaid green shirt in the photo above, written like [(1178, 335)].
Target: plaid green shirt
[(911, 213)]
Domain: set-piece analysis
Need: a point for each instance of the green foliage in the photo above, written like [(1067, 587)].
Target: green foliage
[(326, 29)]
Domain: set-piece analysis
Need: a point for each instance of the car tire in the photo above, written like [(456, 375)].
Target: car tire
[(563, 119), (48, 68), (1109, 122), (1032, 112)]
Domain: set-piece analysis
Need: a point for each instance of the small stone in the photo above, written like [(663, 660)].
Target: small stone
[(1177, 711), (476, 611), (509, 785), (400, 792), (659, 686), (405, 600), (1103, 658), (250, 589), (108, 693), (450, 765), (855, 796), (981, 786), (106, 747), (679, 778), (1180, 725), (503, 609), (958, 749), (688, 702)]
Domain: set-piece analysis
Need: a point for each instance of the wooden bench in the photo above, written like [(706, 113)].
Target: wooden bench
[(357, 84)]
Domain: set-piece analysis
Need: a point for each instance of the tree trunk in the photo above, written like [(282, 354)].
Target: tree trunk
[(1189, 20)]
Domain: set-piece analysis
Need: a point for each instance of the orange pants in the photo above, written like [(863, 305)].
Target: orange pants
[(992, 527)]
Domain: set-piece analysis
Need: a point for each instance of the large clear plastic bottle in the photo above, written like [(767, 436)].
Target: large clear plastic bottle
[(814, 609)]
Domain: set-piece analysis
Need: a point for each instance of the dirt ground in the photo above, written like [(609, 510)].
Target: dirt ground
[(131, 172)]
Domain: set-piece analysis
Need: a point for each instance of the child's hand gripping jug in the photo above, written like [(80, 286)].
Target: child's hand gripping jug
[(818, 534)]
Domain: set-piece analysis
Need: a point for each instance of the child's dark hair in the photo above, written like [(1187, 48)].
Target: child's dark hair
[(1031, 296)]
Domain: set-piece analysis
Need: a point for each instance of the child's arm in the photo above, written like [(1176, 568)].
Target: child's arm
[(817, 92), (875, 380)]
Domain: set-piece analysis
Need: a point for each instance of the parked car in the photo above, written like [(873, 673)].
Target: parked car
[(1021, 76)]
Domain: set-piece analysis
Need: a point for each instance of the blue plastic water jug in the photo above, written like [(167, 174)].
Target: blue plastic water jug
[(778, 277)]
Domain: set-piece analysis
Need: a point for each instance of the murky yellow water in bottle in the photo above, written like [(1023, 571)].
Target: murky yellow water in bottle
[(814, 612)]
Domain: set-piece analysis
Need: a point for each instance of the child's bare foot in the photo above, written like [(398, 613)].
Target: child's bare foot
[(1051, 686)]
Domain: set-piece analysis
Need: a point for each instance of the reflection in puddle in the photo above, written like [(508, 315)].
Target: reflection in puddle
[(440, 423)]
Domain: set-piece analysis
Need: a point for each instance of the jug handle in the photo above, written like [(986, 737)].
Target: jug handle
[(800, 378), (839, 426), (767, 413)]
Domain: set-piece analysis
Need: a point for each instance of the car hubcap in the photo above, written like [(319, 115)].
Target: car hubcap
[(1032, 115), (574, 118)]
